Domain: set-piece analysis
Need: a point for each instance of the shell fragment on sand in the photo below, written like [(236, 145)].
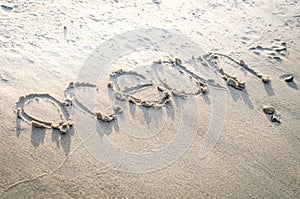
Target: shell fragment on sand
[(275, 118), (110, 84), (157, 61), (203, 89), (289, 78), (265, 79), (269, 110)]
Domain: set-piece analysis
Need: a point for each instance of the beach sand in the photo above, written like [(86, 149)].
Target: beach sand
[(59, 71)]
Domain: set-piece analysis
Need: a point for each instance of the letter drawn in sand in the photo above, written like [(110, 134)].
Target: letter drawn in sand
[(62, 124)]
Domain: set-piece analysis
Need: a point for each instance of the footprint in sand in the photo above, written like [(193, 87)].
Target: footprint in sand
[(6, 8), (275, 52), (157, 1)]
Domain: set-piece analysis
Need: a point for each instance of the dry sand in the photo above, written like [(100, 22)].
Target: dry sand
[(226, 146)]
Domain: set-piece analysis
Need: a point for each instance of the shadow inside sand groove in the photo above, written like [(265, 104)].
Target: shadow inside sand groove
[(170, 110), (244, 96), (62, 140), (206, 99), (269, 89), (147, 112), (38, 136), (292, 85), (106, 128), (18, 127)]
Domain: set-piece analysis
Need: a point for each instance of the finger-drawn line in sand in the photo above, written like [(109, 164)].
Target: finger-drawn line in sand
[(71, 100), (70, 94), (63, 126), (126, 94), (183, 93), (212, 58), (199, 81), (234, 82), (66, 121)]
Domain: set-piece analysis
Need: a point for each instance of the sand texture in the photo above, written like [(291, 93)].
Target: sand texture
[(150, 99)]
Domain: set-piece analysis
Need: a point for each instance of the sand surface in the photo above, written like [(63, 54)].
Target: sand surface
[(158, 133)]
